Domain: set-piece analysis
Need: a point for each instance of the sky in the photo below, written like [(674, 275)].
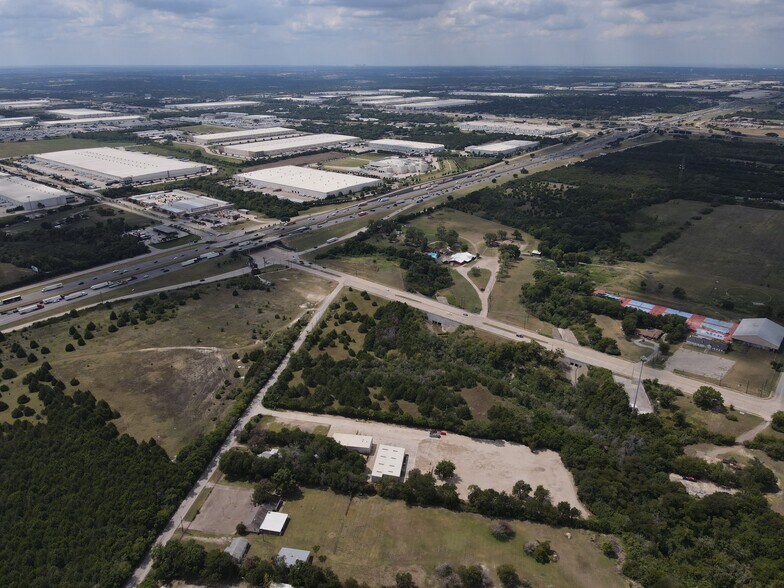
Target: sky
[(392, 32)]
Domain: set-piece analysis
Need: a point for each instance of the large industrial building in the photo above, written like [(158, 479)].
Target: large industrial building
[(397, 166), (81, 122), (408, 147), (760, 332), (291, 145), (15, 122), (390, 461), (244, 136), (214, 105), (180, 202), (512, 128), (110, 164), (79, 113), (16, 192), (24, 104), (302, 184), (501, 148), (433, 104)]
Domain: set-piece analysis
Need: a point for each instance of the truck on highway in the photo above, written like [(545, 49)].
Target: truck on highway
[(332, 239), (52, 299), (210, 255), (31, 308), (52, 287), (188, 262), (74, 295), (100, 285), (12, 299)]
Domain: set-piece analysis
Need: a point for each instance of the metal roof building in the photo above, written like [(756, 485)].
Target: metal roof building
[(433, 104), (501, 147), (390, 461), (401, 146), (80, 112), (180, 202), (80, 122), (243, 136), (24, 104), (291, 556), (16, 191), (512, 128), (108, 163), (359, 443), (303, 183), (274, 523), (214, 105), (291, 145), (760, 332), (238, 548)]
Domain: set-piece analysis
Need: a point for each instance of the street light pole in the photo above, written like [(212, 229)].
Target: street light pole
[(639, 382)]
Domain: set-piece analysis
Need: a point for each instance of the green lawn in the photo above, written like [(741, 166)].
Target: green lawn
[(462, 294), (482, 277), (372, 539)]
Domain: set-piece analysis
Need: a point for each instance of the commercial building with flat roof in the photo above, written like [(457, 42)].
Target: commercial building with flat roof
[(303, 183), (401, 146), (16, 191), (243, 136), (760, 332), (512, 128), (24, 104), (359, 443), (390, 461), (501, 148), (214, 105), (299, 144), (180, 202), (79, 112), (274, 523), (109, 163), (433, 104), (81, 122)]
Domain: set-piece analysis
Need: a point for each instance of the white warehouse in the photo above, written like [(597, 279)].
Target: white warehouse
[(244, 136), (390, 461), (81, 122), (291, 145), (79, 113), (214, 105), (408, 147), (180, 202), (303, 184), (108, 163), (512, 128), (15, 192), (501, 148)]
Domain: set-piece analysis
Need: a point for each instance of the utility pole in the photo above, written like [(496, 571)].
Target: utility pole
[(639, 382)]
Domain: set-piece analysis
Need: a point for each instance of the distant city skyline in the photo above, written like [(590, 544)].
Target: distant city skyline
[(393, 32)]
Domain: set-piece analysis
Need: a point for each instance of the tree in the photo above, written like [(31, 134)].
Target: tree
[(473, 577), (262, 492), (708, 398), (521, 489), (679, 293), (285, 483), (777, 421), (542, 553), (502, 531), (69, 347), (629, 324), (490, 238), (508, 576), (178, 560), (404, 580), (219, 567), (517, 235), (445, 470)]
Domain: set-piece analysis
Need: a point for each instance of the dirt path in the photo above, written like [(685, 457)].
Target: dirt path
[(489, 263), (749, 435)]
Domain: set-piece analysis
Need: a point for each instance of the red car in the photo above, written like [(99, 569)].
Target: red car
[(443, 433)]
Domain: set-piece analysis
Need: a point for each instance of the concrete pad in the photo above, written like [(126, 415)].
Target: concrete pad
[(700, 363)]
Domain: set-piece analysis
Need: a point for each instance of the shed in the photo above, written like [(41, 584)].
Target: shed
[(238, 548), (291, 556)]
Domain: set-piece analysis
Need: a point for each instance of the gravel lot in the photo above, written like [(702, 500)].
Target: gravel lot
[(699, 363), (224, 508)]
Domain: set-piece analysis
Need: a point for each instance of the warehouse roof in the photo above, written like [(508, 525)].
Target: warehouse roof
[(32, 103), (117, 162), (404, 144), (503, 146), (760, 331), (21, 190), (91, 120), (389, 461), (305, 178), (79, 112), (243, 134), (302, 142), (354, 441), (211, 105)]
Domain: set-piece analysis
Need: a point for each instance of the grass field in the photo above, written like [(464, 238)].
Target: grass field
[(183, 151), (49, 145), (164, 378), (471, 228), (505, 298), (461, 294), (376, 268), (653, 222), (372, 539), (480, 280), (319, 236), (177, 242), (717, 422), (354, 160)]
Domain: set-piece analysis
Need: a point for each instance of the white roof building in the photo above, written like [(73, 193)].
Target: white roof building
[(243, 136), (238, 548), (291, 556), (24, 104), (79, 112), (398, 166), (299, 144), (180, 202), (497, 94), (214, 105), (460, 258), (390, 461), (302, 184), (512, 128), (359, 443), (760, 332), (80, 122), (274, 523), (401, 146), (108, 163), (433, 104), (16, 191), (501, 148)]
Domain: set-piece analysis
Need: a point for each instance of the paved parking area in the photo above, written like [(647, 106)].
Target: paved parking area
[(700, 363)]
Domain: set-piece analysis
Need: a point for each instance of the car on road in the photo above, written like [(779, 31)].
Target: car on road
[(80, 284), (519, 335), (165, 270)]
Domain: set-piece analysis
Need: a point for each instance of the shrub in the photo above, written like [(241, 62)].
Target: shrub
[(502, 531), (708, 398), (69, 348), (508, 576)]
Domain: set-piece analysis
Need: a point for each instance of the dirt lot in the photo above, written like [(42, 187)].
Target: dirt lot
[(496, 465), (225, 507), (701, 364), (700, 489)]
